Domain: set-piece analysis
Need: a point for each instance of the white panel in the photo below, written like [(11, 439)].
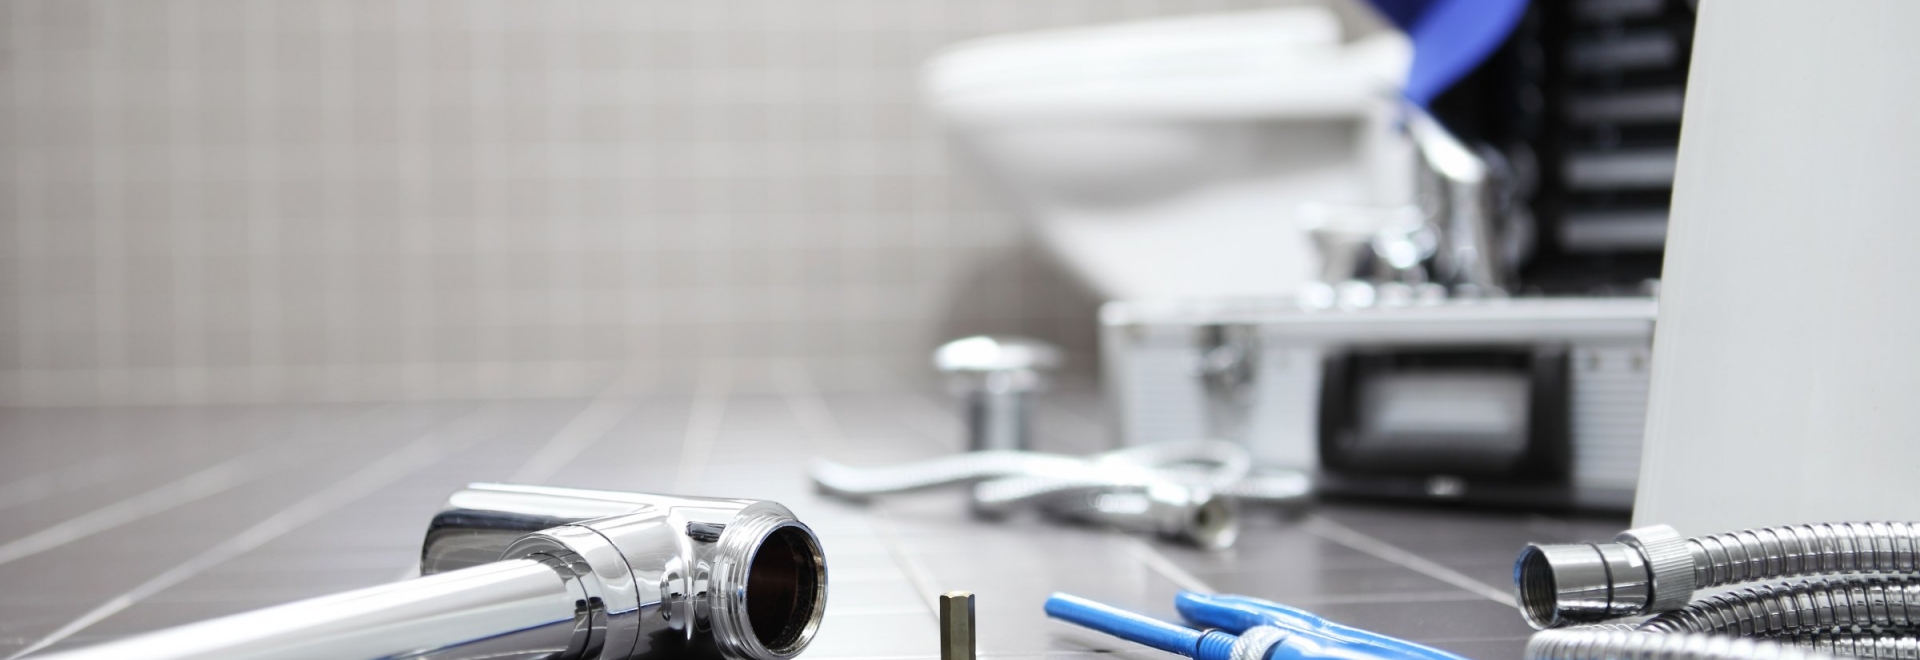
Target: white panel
[(1286, 421), (1787, 369), (1609, 413)]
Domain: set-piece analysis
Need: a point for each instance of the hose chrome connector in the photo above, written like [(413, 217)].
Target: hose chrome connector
[(1191, 515), (1647, 569), (1560, 585), (1652, 569), (1669, 565)]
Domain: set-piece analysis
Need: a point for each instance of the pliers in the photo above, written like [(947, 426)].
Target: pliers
[(1240, 628)]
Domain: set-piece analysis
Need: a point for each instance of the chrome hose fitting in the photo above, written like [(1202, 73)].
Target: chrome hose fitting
[(1643, 569), (1582, 644), (1190, 515), (1651, 569)]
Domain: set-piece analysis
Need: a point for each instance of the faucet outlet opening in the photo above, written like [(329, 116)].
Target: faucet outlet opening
[(786, 590)]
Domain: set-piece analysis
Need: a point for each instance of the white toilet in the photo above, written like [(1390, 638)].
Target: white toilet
[(1173, 158)]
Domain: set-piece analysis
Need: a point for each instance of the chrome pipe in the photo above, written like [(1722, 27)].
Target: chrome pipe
[(740, 579), (528, 572), (522, 609), (479, 522)]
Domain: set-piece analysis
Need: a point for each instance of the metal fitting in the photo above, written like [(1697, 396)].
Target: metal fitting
[(1191, 515), (572, 575), (739, 577), (1653, 569), (1559, 585), (997, 376), (1647, 569)]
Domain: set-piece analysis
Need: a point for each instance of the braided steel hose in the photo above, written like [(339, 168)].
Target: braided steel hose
[(1812, 606), (1652, 569), (1586, 644)]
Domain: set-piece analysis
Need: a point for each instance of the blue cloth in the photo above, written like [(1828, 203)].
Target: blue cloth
[(1450, 38)]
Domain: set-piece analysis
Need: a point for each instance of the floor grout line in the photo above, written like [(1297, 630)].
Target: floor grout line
[(1454, 596), (1160, 564), (254, 465), (917, 575), (611, 406), (703, 424), (429, 448), (923, 409), (86, 474), (1352, 538), (818, 423)]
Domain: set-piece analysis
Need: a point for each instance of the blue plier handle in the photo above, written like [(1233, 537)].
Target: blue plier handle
[(1241, 628), (1237, 614)]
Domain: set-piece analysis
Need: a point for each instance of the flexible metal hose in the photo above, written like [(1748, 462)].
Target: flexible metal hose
[(1652, 569), (848, 481), (1793, 550), (1800, 607), (1179, 489), (1211, 463), (1586, 644), (1859, 645)]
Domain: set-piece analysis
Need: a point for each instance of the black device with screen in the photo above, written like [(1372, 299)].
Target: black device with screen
[(1487, 422)]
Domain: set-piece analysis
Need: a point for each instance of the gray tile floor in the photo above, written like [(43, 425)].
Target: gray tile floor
[(117, 521)]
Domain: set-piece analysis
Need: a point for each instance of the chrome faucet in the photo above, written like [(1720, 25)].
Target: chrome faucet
[(531, 572), (1461, 186)]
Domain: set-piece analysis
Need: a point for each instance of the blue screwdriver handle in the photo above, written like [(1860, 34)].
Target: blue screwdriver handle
[(1236, 614)]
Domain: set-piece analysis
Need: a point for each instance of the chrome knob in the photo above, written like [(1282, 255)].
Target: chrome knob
[(997, 376)]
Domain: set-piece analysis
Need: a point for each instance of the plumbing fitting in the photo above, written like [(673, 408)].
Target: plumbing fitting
[(1652, 570), (574, 574), (1229, 368), (1582, 644), (998, 377), (1179, 489)]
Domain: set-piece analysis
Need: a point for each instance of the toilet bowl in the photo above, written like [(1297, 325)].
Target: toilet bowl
[(1174, 157)]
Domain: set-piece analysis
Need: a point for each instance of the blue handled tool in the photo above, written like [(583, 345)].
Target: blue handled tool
[(1240, 628)]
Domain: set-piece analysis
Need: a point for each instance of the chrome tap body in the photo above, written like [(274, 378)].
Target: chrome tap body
[(529, 572)]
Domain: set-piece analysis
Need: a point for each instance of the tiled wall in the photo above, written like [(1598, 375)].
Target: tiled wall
[(236, 200)]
